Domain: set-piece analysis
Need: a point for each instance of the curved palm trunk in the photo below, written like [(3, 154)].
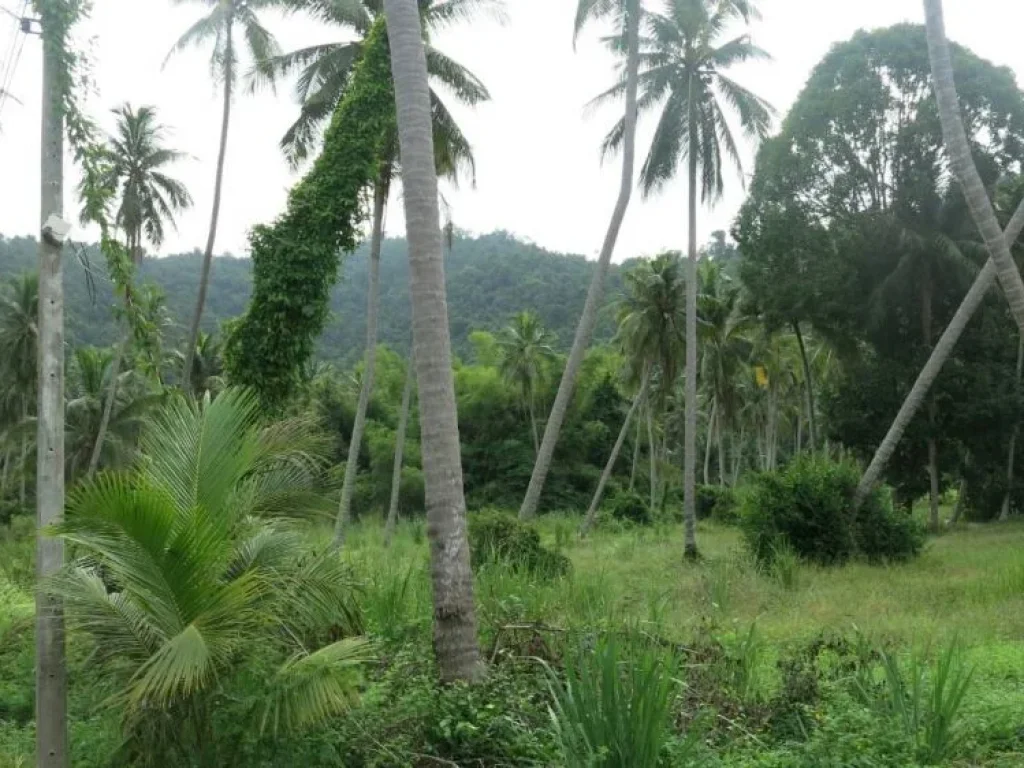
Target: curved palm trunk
[(211, 239), (380, 198), (588, 521), (396, 472), (812, 429), (943, 349), (595, 294), (51, 673), (690, 385), (959, 150), (108, 409), (1004, 512), (710, 441), (455, 640)]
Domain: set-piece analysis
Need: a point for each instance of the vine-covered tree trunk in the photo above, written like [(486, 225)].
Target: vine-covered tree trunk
[(595, 294), (455, 640), (396, 472), (228, 70), (380, 198), (962, 162), (591, 516), (108, 408), (51, 674)]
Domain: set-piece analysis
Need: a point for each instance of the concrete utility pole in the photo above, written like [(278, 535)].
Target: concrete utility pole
[(51, 675)]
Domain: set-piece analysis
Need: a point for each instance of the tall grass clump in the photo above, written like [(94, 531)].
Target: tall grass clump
[(611, 711)]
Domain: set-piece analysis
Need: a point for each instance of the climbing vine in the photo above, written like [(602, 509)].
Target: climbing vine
[(295, 259)]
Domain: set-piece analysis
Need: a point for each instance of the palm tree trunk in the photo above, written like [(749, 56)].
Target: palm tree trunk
[(108, 409), (341, 525), (799, 431), (812, 429), (51, 673), (533, 426), (1004, 512), (963, 164), (961, 500), (720, 434), (595, 294), (773, 428), (710, 441), (943, 349), (933, 448), (22, 493), (652, 453), (636, 457), (737, 455), (690, 384), (588, 521), (211, 239), (396, 472), (455, 640)]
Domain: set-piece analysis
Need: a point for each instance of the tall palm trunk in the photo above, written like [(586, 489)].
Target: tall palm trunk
[(636, 456), (720, 436), (812, 428), (595, 294), (966, 171), (533, 425), (396, 472), (455, 640), (690, 390), (961, 501), (380, 198), (943, 349), (652, 452), (22, 490), (933, 446), (51, 673), (211, 239), (710, 441), (588, 521), (108, 409), (1004, 512)]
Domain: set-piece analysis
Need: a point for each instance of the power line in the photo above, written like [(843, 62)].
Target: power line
[(13, 57)]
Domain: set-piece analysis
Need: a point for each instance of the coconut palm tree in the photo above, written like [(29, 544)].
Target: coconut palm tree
[(19, 348), (527, 352), (626, 15), (225, 22), (185, 566), (997, 242), (396, 471), (207, 364), (455, 640), (147, 200), (684, 60)]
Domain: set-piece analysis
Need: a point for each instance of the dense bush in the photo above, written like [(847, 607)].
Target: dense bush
[(499, 537), (629, 506), (809, 504), (718, 503)]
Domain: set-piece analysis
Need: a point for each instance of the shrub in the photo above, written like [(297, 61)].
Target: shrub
[(809, 505), (496, 536), (629, 506), (718, 503)]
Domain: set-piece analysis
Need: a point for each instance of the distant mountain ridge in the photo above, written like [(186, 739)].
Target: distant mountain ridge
[(489, 278)]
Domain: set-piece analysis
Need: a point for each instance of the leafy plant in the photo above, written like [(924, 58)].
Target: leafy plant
[(611, 711), (629, 506), (498, 537)]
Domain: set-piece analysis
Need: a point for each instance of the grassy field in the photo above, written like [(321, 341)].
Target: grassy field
[(967, 587)]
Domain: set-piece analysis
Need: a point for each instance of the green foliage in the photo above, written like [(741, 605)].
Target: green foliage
[(630, 507), (718, 503), (295, 260), (611, 710), (809, 505), (499, 537)]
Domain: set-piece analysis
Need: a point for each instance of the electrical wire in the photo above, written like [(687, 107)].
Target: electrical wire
[(13, 57)]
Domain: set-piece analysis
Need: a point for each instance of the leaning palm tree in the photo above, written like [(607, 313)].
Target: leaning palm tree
[(455, 640), (626, 15), (684, 62), (224, 22), (186, 567), (527, 351), (147, 201), (997, 241)]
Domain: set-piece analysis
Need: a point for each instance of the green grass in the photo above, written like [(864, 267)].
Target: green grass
[(967, 586)]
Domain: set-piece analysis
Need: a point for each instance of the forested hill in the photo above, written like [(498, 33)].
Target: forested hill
[(489, 278)]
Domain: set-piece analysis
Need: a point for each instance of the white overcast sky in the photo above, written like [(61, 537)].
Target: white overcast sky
[(539, 174)]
